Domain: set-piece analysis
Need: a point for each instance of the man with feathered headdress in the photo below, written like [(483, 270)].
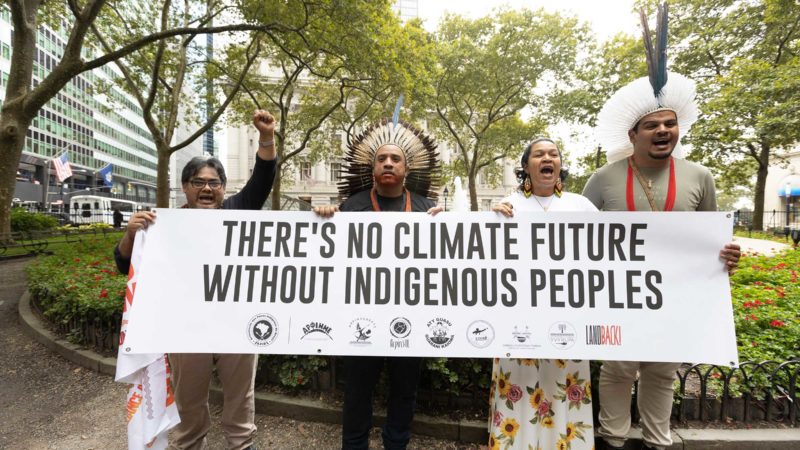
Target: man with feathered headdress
[(640, 127), (391, 166)]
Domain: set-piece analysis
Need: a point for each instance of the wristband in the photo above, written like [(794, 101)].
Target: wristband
[(268, 143)]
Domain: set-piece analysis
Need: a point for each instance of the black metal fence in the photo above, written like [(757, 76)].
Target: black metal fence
[(766, 391), (774, 220)]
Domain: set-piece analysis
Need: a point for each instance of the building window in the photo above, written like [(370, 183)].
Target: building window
[(305, 171), (335, 172)]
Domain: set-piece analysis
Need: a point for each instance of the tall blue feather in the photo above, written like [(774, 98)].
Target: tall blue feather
[(656, 56), (661, 49), (396, 115)]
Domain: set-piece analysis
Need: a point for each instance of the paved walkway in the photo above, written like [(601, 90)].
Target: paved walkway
[(759, 246)]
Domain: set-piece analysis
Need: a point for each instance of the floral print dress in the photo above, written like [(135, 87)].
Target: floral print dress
[(540, 404)]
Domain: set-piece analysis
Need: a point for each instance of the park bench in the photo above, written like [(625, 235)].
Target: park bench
[(20, 243)]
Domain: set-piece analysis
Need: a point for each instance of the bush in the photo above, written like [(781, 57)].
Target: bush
[(766, 306), (79, 281), (22, 220)]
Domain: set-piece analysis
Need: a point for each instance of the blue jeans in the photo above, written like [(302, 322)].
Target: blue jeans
[(363, 373)]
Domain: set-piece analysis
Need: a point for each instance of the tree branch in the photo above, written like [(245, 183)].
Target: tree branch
[(221, 109)]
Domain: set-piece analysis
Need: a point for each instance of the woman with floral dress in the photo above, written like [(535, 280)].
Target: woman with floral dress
[(539, 403)]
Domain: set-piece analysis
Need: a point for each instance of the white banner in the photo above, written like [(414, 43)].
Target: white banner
[(610, 286)]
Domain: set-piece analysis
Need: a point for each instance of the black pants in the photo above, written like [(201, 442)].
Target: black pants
[(363, 373)]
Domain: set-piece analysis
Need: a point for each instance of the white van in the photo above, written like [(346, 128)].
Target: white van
[(87, 209)]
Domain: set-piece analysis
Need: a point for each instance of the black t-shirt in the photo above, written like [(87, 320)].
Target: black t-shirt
[(361, 202)]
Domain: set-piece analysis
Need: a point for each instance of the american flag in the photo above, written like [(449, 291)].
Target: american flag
[(63, 170)]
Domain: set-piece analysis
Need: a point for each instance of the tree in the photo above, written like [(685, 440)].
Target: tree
[(492, 68), (352, 58), (23, 101), (744, 56)]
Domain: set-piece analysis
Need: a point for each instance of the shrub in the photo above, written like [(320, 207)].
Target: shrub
[(79, 281), (22, 220)]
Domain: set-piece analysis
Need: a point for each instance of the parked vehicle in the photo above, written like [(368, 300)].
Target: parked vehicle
[(88, 209)]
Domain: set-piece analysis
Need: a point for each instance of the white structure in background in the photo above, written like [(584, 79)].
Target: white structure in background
[(179, 159), (782, 192)]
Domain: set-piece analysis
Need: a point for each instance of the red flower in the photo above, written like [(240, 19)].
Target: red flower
[(754, 344), (575, 393), (77, 260), (544, 408), (514, 393), (104, 293), (770, 302), (751, 317), (498, 418), (777, 323), (98, 277)]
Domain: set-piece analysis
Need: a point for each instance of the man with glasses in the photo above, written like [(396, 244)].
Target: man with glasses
[(203, 180)]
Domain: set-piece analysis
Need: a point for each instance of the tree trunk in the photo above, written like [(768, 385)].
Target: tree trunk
[(14, 118), (276, 188), (12, 140), (473, 193), (761, 181), (162, 177)]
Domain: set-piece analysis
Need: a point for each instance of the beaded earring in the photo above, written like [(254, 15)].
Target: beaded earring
[(527, 186)]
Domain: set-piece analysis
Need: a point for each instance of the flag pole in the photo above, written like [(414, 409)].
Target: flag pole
[(46, 183)]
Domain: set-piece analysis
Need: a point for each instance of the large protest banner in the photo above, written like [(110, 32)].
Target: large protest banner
[(611, 286)]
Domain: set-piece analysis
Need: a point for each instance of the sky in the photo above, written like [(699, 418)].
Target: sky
[(606, 17)]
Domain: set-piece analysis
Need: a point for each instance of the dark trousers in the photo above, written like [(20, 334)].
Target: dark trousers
[(362, 374)]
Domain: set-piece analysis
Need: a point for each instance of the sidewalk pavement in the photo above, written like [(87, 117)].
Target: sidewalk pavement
[(759, 246)]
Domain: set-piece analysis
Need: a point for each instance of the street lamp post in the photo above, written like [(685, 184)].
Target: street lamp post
[(787, 190), (446, 193)]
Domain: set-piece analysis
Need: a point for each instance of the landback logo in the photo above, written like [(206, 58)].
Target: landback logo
[(439, 335), (317, 331), (262, 330), (362, 329), (400, 328), (480, 334), (604, 335), (562, 335)]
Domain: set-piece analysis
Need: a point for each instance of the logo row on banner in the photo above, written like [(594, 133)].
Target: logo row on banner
[(403, 336)]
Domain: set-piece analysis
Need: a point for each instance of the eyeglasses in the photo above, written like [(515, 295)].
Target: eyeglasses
[(199, 183)]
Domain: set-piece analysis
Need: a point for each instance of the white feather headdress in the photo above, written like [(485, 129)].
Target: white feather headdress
[(659, 91)]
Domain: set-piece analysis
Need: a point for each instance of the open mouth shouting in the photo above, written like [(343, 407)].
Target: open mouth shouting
[(662, 143), (206, 200), (547, 170)]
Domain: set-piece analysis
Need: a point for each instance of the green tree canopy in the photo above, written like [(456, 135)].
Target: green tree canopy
[(492, 68)]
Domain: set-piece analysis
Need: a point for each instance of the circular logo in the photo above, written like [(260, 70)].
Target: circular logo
[(400, 327), (262, 330), (439, 335), (562, 335), (480, 334)]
